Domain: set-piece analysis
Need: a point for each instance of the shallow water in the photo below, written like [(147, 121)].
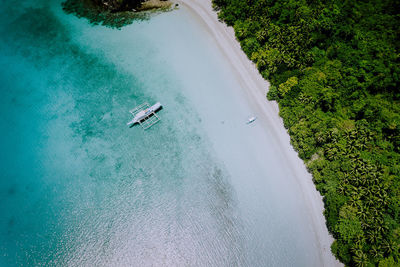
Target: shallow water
[(79, 188)]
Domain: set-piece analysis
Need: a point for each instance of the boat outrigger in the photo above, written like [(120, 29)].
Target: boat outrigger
[(145, 115)]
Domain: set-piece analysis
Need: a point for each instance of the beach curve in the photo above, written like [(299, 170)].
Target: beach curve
[(268, 116)]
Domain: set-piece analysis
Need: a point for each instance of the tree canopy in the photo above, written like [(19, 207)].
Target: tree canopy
[(110, 13)]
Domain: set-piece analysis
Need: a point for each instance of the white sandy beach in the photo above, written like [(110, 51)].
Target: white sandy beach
[(268, 116)]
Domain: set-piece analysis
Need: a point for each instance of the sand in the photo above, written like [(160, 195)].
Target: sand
[(268, 116)]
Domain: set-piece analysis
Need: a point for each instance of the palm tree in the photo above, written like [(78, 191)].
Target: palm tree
[(374, 236), (360, 258), (390, 246), (376, 252), (370, 201)]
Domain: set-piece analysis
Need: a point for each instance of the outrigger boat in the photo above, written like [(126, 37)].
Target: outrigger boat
[(143, 113)]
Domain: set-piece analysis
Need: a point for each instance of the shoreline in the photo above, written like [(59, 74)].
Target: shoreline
[(268, 117)]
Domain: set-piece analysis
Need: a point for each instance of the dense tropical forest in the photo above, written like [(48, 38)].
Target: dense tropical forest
[(334, 70)]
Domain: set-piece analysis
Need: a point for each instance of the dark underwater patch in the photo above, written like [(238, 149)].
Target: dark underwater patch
[(12, 190), (100, 16), (41, 39)]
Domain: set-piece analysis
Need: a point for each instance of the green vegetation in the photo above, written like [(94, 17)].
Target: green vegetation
[(114, 13), (334, 70), (99, 14)]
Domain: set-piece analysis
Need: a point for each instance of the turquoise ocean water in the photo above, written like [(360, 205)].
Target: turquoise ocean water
[(79, 188)]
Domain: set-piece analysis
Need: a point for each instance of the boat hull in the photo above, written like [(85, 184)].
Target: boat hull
[(144, 114)]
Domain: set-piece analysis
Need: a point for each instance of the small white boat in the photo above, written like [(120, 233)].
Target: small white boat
[(251, 119), (140, 115)]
